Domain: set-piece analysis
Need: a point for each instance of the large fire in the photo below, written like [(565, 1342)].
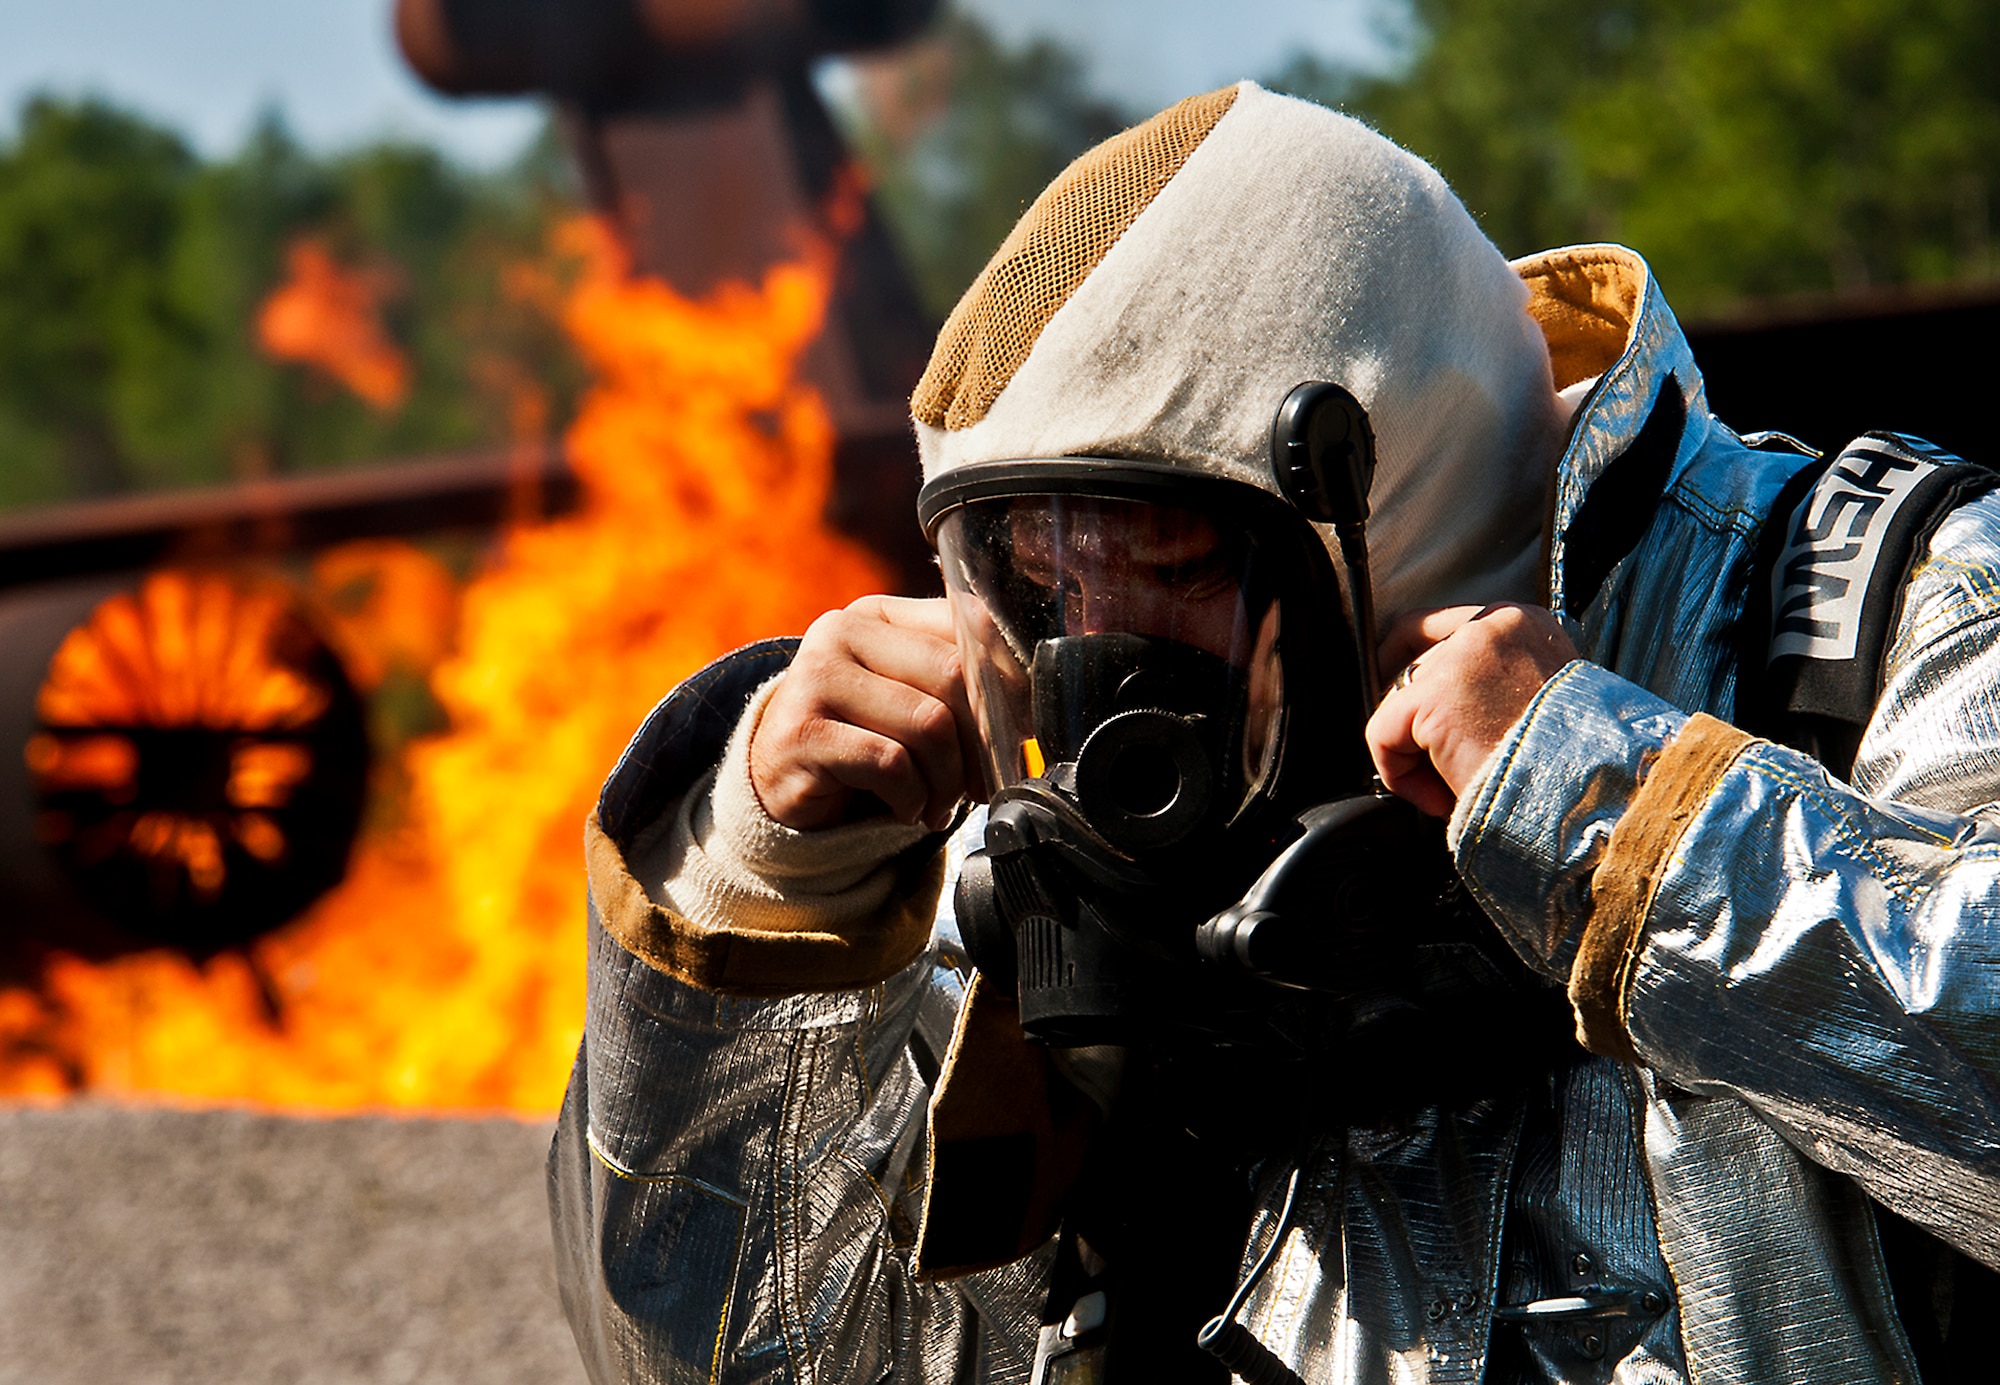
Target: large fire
[(446, 971)]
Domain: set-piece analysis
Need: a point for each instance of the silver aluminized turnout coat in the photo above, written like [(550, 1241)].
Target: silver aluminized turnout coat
[(1792, 987)]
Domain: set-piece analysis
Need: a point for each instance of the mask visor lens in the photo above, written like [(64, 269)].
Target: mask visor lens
[(1071, 610)]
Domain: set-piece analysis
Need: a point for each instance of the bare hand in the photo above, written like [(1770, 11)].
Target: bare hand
[(1471, 672), (874, 703)]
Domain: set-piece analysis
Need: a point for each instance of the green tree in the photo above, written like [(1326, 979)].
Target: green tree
[(206, 404), (131, 275), (1746, 147), (1784, 145), (89, 208), (961, 134)]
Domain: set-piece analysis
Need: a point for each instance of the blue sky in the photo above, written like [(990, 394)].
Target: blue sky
[(1147, 53), (208, 67)]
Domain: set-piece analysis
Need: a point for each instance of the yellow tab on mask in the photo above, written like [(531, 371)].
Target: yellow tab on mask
[(1031, 756)]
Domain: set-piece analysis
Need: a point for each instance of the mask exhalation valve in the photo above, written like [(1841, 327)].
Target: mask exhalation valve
[(1143, 779)]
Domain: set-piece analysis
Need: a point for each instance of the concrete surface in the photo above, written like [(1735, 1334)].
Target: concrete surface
[(153, 1247)]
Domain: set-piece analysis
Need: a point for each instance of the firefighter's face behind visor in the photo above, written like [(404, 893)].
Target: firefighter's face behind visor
[(1131, 652), (1164, 680)]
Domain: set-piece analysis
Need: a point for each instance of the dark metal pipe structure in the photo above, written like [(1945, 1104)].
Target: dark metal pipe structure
[(635, 51), (702, 139), (480, 490)]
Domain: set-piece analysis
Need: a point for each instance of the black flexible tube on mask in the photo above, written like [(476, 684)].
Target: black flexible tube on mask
[(1227, 1340), (1361, 591)]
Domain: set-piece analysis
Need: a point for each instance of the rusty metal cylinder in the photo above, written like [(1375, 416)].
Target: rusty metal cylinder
[(607, 48), (183, 760)]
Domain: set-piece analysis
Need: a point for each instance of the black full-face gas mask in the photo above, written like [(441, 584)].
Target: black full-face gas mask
[(1184, 829)]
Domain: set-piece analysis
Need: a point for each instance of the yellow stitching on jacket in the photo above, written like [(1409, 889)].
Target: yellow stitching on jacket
[(1879, 862)]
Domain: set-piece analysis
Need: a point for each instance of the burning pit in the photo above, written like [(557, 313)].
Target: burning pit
[(321, 757), (186, 674), (443, 972)]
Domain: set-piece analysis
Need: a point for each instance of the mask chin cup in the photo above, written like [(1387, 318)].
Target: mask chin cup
[(1144, 781), (1037, 911), (1075, 982)]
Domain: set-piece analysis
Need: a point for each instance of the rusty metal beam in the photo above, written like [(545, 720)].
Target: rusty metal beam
[(466, 491), (634, 50)]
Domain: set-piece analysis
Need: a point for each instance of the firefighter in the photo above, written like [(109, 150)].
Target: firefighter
[(807, 1140)]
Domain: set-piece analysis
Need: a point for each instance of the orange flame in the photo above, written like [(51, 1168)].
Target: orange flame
[(329, 317), (390, 606), (446, 972)]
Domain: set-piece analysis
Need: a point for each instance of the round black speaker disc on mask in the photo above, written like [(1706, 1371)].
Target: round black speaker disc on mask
[(1144, 779)]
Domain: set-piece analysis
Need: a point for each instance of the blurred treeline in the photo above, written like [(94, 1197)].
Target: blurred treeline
[(1748, 148), (959, 134), (132, 272)]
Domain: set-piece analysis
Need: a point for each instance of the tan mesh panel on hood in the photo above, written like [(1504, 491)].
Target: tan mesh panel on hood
[(1056, 243)]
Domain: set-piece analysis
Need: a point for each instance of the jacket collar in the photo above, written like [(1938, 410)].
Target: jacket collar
[(1604, 316)]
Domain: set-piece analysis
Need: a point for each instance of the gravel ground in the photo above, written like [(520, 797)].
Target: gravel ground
[(151, 1247)]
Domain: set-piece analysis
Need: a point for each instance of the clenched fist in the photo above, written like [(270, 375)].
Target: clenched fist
[(1469, 673), (873, 704)]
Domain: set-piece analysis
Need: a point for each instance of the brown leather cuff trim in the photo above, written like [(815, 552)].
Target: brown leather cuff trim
[(1622, 889), (743, 962)]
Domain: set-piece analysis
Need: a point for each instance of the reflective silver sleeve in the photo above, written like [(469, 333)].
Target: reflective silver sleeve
[(736, 1183), (1831, 959), (1550, 797)]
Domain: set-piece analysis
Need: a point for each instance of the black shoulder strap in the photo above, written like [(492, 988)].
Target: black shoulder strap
[(1823, 609), (1825, 598), (1827, 589)]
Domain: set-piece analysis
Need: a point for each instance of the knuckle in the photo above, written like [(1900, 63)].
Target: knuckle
[(891, 760), (951, 665), (933, 720), (802, 703), (778, 735), (821, 662), (816, 740), (827, 634)]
